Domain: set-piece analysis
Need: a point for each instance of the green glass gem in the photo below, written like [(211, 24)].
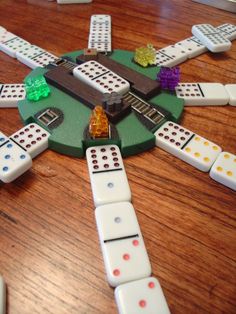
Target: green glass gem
[(36, 88), (145, 56)]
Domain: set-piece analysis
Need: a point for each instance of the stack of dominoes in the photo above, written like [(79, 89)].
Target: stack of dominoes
[(100, 33), (126, 261), (206, 37), (17, 151), (21, 49)]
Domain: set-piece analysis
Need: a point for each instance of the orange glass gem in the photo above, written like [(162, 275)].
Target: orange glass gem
[(99, 125)]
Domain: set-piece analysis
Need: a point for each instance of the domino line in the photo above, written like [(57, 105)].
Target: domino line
[(122, 238)]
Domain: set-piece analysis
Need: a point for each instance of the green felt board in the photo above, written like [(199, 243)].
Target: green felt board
[(68, 139)]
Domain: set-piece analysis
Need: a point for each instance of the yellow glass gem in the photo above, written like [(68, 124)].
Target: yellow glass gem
[(99, 125), (226, 156), (206, 143), (197, 154), (197, 138), (206, 159), (215, 147), (219, 169), (145, 56), (229, 173), (188, 150)]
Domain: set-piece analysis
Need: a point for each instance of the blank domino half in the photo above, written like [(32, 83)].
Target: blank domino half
[(2, 296), (32, 138), (211, 37), (122, 244), (231, 90), (10, 94), (187, 146), (143, 296), (202, 94), (224, 170), (107, 175)]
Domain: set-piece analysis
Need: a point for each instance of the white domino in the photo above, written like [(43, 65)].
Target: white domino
[(32, 138), (231, 90), (100, 23), (171, 56), (107, 175), (228, 30), (224, 170), (101, 78), (14, 161), (34, 56), (122, 244), (202, 94), (100, 41), (143, 296), (12, 43), (2, 296), (211, 37), (10, 94), (5, 35), (192, 46), (187, 146), (100, 33), (73, 1)]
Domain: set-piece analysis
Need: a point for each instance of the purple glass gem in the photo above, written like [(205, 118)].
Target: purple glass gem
[(169, 77)]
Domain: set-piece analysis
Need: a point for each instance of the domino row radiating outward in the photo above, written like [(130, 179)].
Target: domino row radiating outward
[(194, 46), (17, 151), (198, 152), (125, 257), (16, 47), (100, 33)]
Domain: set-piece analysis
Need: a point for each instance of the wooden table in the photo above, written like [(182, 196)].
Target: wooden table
[(49, 250)]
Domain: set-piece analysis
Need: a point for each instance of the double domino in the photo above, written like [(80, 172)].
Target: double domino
[(100, 33), (211, 37), (101, 78), (107, 175), (187, 146), (194, 46)]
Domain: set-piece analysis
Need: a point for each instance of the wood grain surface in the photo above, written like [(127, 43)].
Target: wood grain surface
[(49, 250)]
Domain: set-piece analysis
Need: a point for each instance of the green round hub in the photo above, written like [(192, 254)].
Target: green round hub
[(69, 117)]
